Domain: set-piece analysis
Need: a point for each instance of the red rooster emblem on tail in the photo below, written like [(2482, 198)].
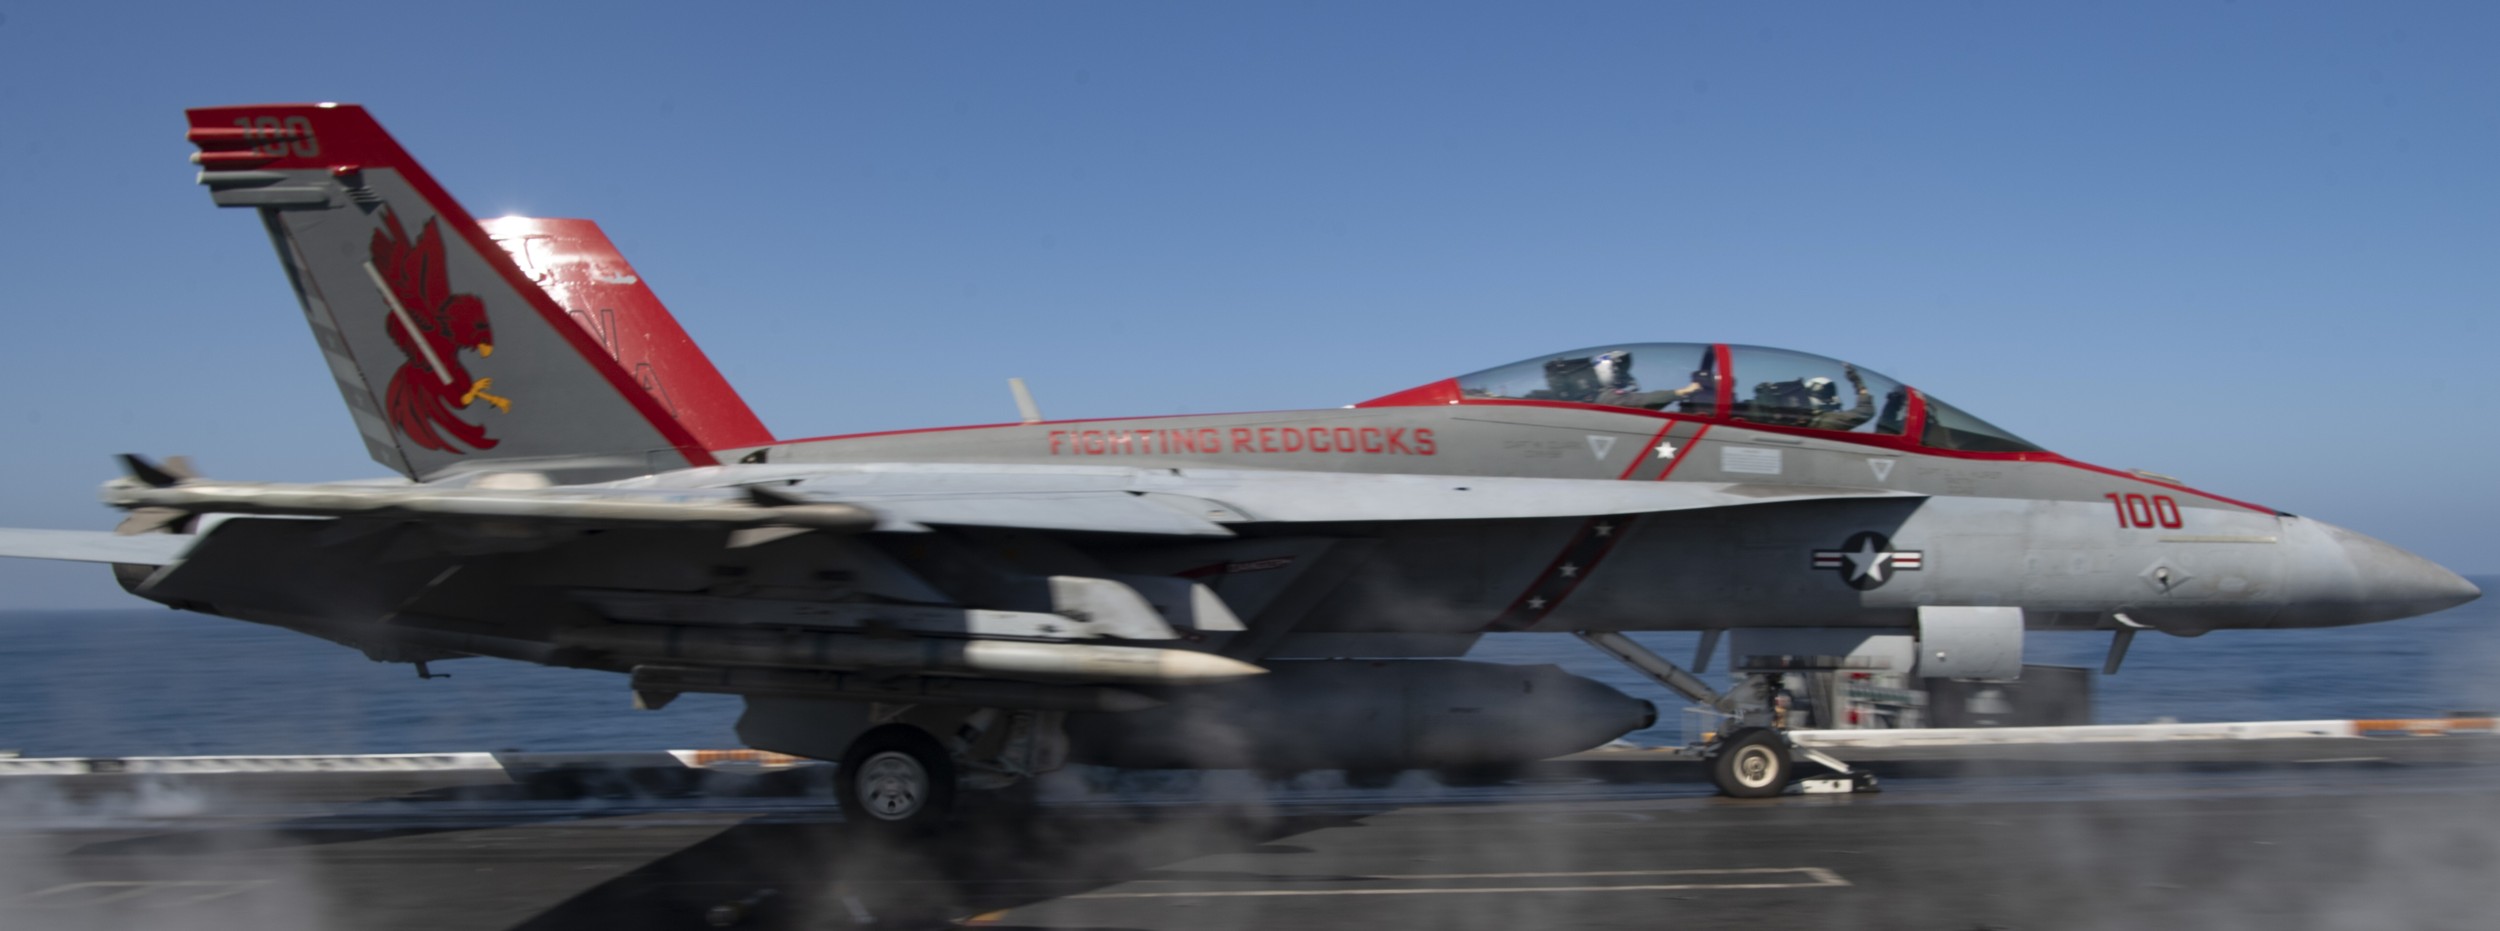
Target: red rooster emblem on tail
[(431, 326)]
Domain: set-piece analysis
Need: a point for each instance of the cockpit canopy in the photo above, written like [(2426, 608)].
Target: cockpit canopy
[(1752, 384)]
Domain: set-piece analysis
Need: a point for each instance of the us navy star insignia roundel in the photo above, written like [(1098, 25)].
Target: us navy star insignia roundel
[(1868, 560)]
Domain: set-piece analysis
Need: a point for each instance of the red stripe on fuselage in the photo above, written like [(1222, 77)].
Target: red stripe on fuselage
[(1689, 446), (1635, 464)]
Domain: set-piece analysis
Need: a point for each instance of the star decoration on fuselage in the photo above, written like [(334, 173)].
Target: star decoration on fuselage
[(1575, 565), (1868, 560)]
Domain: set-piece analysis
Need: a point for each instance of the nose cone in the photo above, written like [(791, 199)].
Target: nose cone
[(2335, 576)]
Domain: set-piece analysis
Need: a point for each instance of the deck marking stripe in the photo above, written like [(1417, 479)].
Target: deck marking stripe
[(1811, 877)]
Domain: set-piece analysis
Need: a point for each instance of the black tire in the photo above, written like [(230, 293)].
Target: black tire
[(1752, 763), (897, 779)]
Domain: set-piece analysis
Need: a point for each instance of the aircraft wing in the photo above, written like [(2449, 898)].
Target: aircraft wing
[(914, 497), (1259, 497), (1212, 499)]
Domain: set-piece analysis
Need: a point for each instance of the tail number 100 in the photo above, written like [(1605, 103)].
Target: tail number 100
[(2145, 511)]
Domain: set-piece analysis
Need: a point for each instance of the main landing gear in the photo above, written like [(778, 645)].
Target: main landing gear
[(915, 767), (1754, 758), (896, 778)]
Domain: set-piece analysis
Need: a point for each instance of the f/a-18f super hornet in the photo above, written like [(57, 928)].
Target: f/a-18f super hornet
[(968, 607)]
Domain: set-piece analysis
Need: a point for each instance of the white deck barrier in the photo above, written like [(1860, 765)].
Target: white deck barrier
[(2089, 733), (759, 759), (390, 762)]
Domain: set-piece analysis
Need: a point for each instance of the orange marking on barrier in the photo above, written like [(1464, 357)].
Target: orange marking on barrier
[(2424, 726), (758, 757)]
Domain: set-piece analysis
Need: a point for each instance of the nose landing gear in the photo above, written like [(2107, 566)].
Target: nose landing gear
[(897, 778), (1752, 763)]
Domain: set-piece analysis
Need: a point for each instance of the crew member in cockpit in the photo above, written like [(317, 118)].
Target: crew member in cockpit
[(1825, 398), (1616, 387)]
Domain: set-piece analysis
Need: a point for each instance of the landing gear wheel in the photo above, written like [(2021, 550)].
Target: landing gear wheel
[(1752, 763), (897, 779)]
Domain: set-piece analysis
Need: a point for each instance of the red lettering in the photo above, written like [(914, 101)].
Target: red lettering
[(1424, 445), (1241, 439), (1091, 441), (2166, 509), (1185, 441), (1267, 439), (2139, 511), (1293, 439), (1055, 437), (1319, 442), (1397, 441), (1210, 441), (1370, 438)]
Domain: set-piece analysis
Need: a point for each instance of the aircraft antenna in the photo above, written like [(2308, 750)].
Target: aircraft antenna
[(1024, 401)]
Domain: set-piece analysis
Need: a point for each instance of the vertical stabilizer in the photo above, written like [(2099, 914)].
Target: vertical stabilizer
[(573, 261), (450, 357)]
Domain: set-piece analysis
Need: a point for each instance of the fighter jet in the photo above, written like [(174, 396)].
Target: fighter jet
[(963, 608)]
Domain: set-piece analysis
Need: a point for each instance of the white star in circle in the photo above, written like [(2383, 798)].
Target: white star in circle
[(1666, 450), (1605, 530), (1868, 562), (1536, 604), (1570, 571)]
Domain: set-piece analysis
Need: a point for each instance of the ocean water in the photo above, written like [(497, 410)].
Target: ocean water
[(155, 682)]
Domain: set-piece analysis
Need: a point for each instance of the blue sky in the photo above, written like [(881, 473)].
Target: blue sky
[(2252, 245)]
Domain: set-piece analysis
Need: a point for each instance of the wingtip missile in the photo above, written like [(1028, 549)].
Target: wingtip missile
[(1049, 661)]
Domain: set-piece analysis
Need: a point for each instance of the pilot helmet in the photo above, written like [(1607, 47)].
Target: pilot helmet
[(1614, 370), (1821, 394)]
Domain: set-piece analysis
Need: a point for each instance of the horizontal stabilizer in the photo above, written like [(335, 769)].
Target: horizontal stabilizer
[(588, 505), (153, 549)]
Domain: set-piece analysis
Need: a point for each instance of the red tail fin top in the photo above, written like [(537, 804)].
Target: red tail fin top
[(576, 264)]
